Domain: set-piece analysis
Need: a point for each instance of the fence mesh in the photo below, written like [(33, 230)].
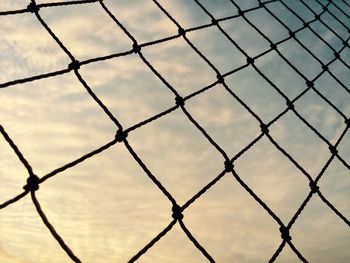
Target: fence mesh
[(337, 9)]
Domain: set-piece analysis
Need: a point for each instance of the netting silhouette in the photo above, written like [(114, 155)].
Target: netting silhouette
[(121, 137)]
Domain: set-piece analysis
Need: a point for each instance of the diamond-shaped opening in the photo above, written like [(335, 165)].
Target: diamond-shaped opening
[(24, 237), (320, 235), (110, 208), (245, 36), (334, 185), (344, 147), (220, 8), (299, 8), (335, 25), (286, 16), (227, 122), (178, 154), (27, 49), (274, 178), (178, 63), (300, 58), (326, 120), (332, 90), (91, 32), (268, 24), (281, 74), (151, 24), (129, 89), (188, 17), (218, 49), (315, 45), (53, 121), (258, 94), (174, 247), (227, 214), (13, 174), (301, 143), (327, 35)]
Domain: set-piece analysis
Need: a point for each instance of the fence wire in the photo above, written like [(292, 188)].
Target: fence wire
[(121, 137)]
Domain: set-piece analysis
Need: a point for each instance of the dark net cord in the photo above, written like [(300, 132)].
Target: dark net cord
[(33, 181)]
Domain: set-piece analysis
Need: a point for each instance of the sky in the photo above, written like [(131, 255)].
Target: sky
[(106, 208)]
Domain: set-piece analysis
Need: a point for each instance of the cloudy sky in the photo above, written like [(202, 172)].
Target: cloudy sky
[(106, 208)]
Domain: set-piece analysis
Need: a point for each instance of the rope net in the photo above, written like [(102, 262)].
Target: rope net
[(332, 16)]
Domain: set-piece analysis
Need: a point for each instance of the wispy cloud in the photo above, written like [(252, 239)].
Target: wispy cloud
[(106, 208)]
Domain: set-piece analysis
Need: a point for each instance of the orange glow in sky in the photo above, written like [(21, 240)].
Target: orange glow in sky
[(189, 103)]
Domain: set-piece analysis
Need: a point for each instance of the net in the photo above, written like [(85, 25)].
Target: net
[(335, 10)]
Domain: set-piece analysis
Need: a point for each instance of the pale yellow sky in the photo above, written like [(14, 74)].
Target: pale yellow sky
[(106, 209)]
